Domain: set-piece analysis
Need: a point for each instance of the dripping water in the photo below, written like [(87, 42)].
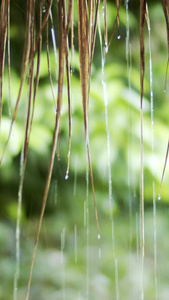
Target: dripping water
[(86, 222), (54, 43), (117, 280), (152, 147), (159, 197), (155, 241), (53, 37), (108, 141), (63, 261), (131, 177), (18, 228), (75, 234)]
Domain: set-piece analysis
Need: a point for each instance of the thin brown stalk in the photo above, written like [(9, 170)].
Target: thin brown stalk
[(45, 20), (55, 138), (48, 62), (9, 63), (116, 23), (165, 5), (26, 56), (72, 35), (25, 147), (118, 3), (105, 25), (142, 69), (66, 28), (162, 178), (94, 30), (4, 19), (85, 78)]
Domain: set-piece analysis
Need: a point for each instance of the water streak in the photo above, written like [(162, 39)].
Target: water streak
[(75, 233), (87, 229), (105, 96), (152, 146), (155, 241), (117, 280), (63, 233), (108, 137)]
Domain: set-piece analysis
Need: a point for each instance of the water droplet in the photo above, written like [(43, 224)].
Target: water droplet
[(71, 70), (66, 176), (119, 37), (164, 91), (98, 236), (159, 197), (106, 48)]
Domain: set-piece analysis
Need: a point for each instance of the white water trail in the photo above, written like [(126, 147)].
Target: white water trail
[(152, 147), (18, 229), (63, 233), (86, 222), (100, 253), (117, 280), (137, 252), (108, 146), (151, 89), (53, 36), (75, 233), (155, 242), (131, 175)]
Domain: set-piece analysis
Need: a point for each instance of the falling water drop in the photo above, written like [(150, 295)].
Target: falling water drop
[(98, 236), (159, 197), (66, 176), (106, 49), (119, 37)]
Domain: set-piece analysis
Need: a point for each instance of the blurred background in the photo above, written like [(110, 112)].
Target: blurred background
[(71, 262)]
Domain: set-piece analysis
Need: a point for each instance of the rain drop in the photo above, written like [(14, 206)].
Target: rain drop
[(98, 236), (119, 37), (106, 48), (66, 176), (159, 197)]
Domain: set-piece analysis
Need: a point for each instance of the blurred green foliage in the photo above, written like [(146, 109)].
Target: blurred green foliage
[(67, 198), (123, 118)]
